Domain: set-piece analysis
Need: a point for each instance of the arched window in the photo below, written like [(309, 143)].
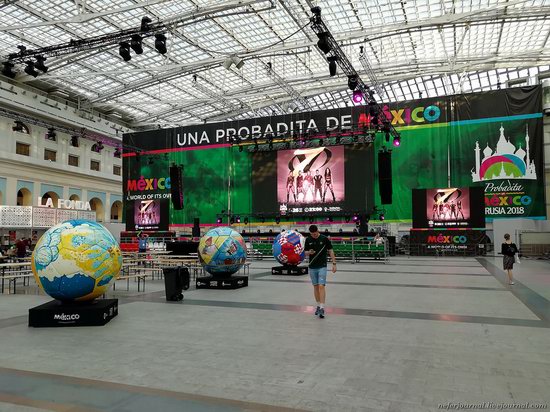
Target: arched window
[(116, 211), (24, 197), (97, 205)]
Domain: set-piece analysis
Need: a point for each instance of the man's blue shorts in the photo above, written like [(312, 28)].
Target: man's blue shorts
[(318, 276)]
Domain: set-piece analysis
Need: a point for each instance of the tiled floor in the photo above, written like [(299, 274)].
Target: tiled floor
[(404, 336)]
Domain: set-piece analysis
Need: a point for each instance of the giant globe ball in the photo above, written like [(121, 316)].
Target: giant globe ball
[(222, 251), (288, 248), (76, 260)]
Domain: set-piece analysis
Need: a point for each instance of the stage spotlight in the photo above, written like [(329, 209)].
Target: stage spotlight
[(7, 70), (355, 218), (145, 23), (278, 219), (232, 220), (160, 43), (219, 220), (124, 51), (397, 141), (136, 44), (50, 134), (262, 219), (332, 65), (238, 219), (323, 42), (353, 81), (347, 219), (246, 221), (40, 64), (30, 70), (357, 96), (18, 126), (381, 216)]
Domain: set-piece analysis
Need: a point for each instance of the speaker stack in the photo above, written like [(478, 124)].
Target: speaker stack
[(176, 188), (385, 177)]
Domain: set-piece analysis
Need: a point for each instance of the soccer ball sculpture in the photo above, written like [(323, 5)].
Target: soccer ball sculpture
[(288, 248), (222, 252), (76, 260)]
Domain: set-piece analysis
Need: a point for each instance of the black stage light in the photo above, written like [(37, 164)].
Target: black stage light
[(7, 70), (278, 219), (347, 218), (18, 126), (270, 145), (381, 216), (323, 42), (311, 219), (387, 135), (316, 10), (232, 220), (262, 219), (240, 148), (124, 51), (30, 70), (338, 137), (160, 43), (238, 219), (50, 134), (40, 64), (145, 23), (136, 44), (332, 65), (246, 221), (353, 81), (74, 141)]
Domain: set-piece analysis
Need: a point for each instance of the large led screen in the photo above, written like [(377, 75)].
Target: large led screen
[(313, 180)]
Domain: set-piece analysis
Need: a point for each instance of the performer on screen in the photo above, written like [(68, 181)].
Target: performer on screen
[(453, 211), (328, 184), (309, 187), (434, 212), (290, 187), (318, 185), (459, 207), (300, 186)]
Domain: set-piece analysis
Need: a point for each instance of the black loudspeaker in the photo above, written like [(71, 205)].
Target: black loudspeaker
[(176, 188), (176, 279), (385, 177), (363, 227), (196, 227)]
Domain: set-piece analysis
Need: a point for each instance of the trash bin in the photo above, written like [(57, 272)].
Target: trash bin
[(176, 279)]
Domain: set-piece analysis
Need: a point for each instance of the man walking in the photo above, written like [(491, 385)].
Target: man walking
[(316, 247)]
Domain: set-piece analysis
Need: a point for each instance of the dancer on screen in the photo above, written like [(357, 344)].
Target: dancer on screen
[(290, 187), (328, 184)]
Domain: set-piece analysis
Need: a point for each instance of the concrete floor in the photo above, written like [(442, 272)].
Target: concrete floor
[(405, 336)]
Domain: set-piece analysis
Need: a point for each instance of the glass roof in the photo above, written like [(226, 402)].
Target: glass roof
[(417, 48)]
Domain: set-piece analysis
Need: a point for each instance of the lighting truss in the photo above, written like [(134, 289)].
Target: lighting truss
[(283, 84), (294, 140), (337, 54), (98, 42), (371, 74)]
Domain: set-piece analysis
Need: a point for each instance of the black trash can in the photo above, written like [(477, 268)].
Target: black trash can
[(176, 279)]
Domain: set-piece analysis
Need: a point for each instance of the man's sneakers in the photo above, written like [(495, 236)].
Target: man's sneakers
[(321, 313), (317, 310)]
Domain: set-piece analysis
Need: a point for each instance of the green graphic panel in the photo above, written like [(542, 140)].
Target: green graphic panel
[(420, 162)]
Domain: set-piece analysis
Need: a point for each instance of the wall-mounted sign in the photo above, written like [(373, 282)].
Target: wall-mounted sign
[(66, 204)]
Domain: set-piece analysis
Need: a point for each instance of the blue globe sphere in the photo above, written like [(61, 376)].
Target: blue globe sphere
[(222, 251), (76, 260)]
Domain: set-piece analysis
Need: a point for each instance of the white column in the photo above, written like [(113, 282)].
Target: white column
[(11, 191)]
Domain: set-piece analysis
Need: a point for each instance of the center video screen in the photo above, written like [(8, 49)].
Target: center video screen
[(313, 180)]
